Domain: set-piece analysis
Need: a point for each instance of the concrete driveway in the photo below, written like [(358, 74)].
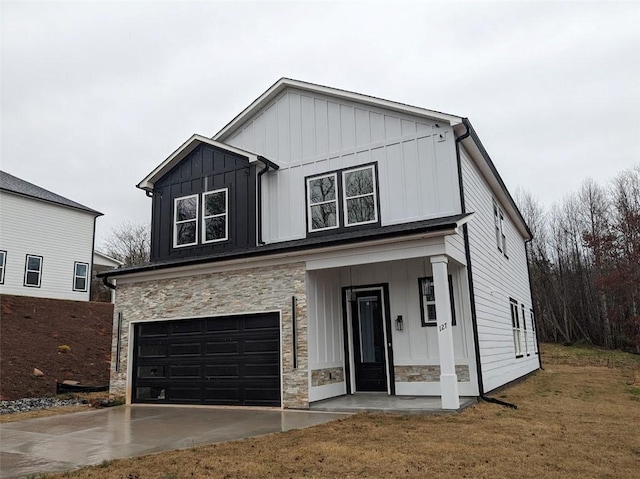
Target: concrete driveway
[(68, 441)]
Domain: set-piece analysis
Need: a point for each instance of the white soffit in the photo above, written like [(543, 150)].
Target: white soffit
[(186, 148)]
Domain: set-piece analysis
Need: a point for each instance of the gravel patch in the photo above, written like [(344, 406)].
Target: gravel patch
[(34, 404)]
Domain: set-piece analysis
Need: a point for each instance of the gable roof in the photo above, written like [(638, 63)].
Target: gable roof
[(186, 148), (285, 83), (13, 184)]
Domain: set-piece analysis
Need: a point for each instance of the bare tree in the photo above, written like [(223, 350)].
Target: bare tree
[(129, 243)]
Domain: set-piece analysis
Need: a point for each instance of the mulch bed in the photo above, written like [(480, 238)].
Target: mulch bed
[(35, 333)]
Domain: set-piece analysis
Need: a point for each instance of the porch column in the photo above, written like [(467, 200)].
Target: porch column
[(448, 377)]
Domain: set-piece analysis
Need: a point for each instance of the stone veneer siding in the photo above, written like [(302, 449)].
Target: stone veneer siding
[(427, 374), (217, 294), (321, 377)]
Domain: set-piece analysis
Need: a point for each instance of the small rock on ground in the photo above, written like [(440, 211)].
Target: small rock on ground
[(34, 404)]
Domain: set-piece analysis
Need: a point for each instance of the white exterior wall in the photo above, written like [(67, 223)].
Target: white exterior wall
[(307, 135), (59, 234), (414, 346), (496, 279)]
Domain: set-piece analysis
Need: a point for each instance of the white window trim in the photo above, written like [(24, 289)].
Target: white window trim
[(3, 253), (498, 223), (27, 270), (515, 323), (374, 193), (176, 222), (76, 275), (523, 325), (533, 331), (225, 214), (309, 205)]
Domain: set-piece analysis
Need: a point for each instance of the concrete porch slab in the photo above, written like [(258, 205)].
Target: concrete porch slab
[(382, 402)]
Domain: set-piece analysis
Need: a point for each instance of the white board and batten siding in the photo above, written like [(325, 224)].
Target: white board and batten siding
[(308, 134), (496, 279), (60, 235), (415, 345)]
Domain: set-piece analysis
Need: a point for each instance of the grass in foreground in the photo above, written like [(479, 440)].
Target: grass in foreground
[(577, 418)]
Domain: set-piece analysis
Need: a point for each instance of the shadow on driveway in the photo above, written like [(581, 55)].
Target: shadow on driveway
[(68, 441)]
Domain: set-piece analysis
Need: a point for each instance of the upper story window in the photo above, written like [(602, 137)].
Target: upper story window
[(360, 203), (498, 221), (3, 265), (185, 227), (213, 216), (428, 301), (80, 276), (322, 202), (343, 198), (215, 224), (33, 271)]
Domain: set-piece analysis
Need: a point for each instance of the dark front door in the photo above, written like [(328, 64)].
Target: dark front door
[(368, 341)]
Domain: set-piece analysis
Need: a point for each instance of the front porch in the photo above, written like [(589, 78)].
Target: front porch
[(382, 402)]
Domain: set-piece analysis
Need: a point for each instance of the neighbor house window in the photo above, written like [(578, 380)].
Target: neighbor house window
[(515, 324), (428, 301), (185, 227), (360, 206), (33, 271), (322, 201), (498, 221), (80, 276), (215, 218), (342, 199), (3, 265)]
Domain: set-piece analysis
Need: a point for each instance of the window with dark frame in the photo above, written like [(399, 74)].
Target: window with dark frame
[(215, 217), (526, 335), (428, 301), (342, 199), (322, 202), (533, 332), (360, 205), (3, 265), (80, 276), (33, 271), (498, 222), (185, 226), (515, 324)]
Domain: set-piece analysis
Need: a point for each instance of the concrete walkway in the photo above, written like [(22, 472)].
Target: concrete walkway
[(382, 402), (68, 441)]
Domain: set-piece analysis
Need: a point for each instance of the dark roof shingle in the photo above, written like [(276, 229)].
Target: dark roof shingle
[(16, 185)]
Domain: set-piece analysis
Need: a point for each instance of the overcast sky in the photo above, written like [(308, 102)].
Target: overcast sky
[(94, 95)]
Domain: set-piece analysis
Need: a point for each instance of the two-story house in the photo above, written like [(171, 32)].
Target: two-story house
[(326, 243), (46, 242)]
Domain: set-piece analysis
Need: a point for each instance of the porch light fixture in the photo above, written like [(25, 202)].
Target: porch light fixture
[(399, 323)]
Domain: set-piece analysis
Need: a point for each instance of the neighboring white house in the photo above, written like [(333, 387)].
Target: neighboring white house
[(326, 243), (46, 242)]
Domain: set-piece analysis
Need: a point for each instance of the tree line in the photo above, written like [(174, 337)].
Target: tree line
[(584, 262)]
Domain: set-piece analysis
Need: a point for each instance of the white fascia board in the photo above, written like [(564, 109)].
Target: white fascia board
[(306, 256), (284, 83), (494, 182), (106, 260), (184, 149)]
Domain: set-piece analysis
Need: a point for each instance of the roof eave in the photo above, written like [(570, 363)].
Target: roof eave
[(187, 147)]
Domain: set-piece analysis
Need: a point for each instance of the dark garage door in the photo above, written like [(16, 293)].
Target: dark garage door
[(231, 360)]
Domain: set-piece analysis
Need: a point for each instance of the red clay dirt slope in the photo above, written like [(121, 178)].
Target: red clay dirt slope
[(33, 333)]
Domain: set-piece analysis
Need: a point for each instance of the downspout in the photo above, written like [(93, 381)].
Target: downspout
[(467, 252), (259, 202), (526, 252)]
